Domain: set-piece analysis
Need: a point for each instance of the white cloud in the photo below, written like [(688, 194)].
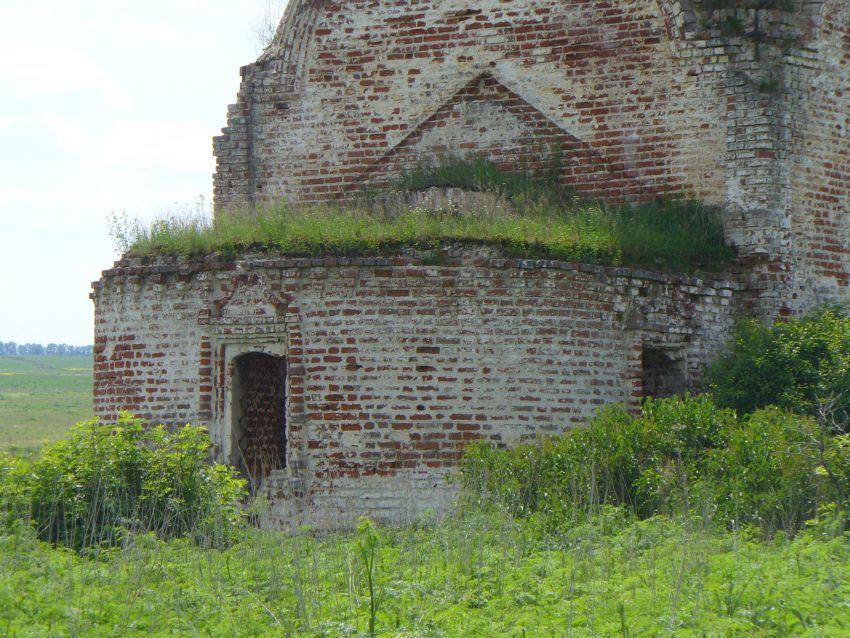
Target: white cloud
[(147, 32), (51, 71), (7, 121), (70, 135), (176, 146)]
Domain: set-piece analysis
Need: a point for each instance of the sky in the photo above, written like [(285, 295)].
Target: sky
[(106, 106)]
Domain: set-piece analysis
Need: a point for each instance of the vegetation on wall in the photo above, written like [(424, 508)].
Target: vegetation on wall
[(726, 17), (541, 221)]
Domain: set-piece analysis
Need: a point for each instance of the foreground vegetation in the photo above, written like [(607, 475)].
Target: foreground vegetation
[(687, 519), (802, 365), (541, 220), (39, 397), (478, 574)]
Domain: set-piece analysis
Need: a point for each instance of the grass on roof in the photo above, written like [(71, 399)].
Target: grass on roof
[(541, 220)]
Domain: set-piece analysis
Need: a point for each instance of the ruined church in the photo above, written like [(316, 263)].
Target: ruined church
[(348, 386)]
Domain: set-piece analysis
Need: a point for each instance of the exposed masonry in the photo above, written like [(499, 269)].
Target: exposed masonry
[(627, 99), (608, 94), (350, 386), (392, 365)]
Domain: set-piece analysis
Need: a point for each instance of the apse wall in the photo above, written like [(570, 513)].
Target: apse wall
[(390, 366)]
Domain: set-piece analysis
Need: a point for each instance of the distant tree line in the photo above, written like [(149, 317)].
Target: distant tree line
[(12, 349)]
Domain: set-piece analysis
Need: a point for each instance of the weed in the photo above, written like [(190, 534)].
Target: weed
[(545, 222), (616, 582), (367, 547)]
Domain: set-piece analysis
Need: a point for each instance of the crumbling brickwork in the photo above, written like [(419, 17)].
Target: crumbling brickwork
[(393, 365), (606, 93), (350, 386), (819, 168), (629, 99)]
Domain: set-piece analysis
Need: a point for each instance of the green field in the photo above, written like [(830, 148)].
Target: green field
[(40, 397)]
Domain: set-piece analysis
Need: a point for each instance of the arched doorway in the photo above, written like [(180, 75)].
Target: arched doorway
[(259, 430)]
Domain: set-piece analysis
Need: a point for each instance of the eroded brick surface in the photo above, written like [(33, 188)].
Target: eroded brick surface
[(607, 93), (629, 99), (394, 365)]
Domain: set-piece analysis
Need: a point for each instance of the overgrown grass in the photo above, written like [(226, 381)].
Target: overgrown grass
[(480, 174), (543, 222), (489, 569), (479, 574)]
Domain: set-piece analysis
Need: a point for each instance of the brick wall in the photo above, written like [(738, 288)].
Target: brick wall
[(622, 100), (819, 213), (394, 364), (611, 94)]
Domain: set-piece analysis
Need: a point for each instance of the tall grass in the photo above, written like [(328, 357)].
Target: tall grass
[(479, 573), (541, 221)]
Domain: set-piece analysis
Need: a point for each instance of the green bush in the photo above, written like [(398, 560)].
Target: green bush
[(106, 481), (801, 365), (771, 469), (768, 475), (14, 490), (836, 469), (643, 462)]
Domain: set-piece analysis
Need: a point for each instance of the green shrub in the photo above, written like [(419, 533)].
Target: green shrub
[(768, 475), (836, 469), (801, 365), (105, 481), (772, 469), (14, 490), (643, 462)]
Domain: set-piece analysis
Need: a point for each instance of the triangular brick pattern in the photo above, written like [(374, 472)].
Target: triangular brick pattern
[(348, 89), (487, 119)]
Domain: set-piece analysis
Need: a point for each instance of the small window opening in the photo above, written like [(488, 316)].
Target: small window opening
[(259, 416), (663, 372)]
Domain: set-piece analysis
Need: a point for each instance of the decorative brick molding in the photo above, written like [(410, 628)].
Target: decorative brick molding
[(343, 86)]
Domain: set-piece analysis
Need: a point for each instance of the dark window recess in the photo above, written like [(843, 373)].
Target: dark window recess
[(259, 415), (663, 372)]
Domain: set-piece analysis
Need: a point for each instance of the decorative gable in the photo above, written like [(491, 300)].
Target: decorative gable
[(487, 119)]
